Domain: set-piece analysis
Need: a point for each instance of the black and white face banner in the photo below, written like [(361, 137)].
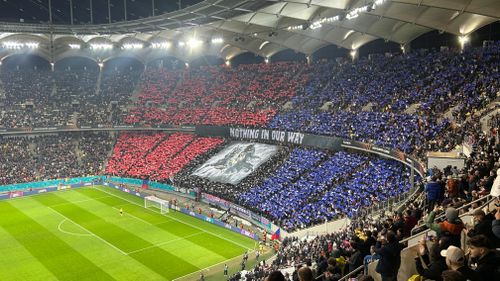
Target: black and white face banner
[(236, 162)]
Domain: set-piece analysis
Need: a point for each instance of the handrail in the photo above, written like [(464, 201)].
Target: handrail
[(460, 216), (355, 271)]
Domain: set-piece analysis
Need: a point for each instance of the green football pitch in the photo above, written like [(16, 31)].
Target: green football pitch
[(80, 235)]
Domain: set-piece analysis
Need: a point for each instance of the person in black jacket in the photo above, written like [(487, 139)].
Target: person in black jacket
[(482, 227), (356, 258), (486, 258), (429, 263), (389, 250), (495, 225)]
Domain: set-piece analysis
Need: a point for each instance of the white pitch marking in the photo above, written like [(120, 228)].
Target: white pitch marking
[(70, 233), (91, 233), (166, 242), (183, 222), (130, 215), (79, 201), (208, 267)]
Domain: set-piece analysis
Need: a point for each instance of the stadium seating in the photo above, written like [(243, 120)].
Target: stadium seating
[(367, 100), (156, 156), (52, 157), (129, 148), (246, 95)]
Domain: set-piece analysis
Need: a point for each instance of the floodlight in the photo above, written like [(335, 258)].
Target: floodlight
[(75, 46), (463, 39), (102, 46), (132, 46), (194, 43), (217, 40), (161, 45)]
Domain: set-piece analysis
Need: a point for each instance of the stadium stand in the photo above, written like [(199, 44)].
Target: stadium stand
[(298, 187), (156, 156), (27, 159)]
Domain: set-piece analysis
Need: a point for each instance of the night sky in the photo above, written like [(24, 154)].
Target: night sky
[(37, 11)]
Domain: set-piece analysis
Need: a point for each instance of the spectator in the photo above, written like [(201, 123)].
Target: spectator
[(332, 273), (455, 260), (482, 226), (429, 263), (485, 258), (452, 227), (389, 250), (496, 222), (410, 221), (495, 189), (356, 258), (275, 276), (370, 258), (434, 192), (451, 275), (305, 274), (452, 187)]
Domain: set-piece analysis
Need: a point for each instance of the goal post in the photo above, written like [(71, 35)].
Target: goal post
[(153, 201)]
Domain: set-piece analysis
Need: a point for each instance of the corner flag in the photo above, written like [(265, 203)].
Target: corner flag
[(276, 235)]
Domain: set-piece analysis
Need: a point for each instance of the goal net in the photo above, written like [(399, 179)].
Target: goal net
[(153, 201)]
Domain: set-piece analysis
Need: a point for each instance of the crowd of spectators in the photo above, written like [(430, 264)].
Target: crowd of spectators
[(21, 108), (27, 159), (67, 96), (369, 100), (282, 203), (156, 156), (300, 187), (459, 250), (331, 256), (246, 95), (396, 101), (93, 150), (130, 148)]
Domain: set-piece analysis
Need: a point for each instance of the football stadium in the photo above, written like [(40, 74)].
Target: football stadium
[(250, 140)]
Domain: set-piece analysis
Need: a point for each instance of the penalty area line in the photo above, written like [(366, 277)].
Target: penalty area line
[(59, 227), (165, 243), (181, 221), (91, 233), (132, 216)]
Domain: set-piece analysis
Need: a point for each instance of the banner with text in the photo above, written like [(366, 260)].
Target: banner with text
[(394, 153), (303, 139), (271, 136), (237, 210)]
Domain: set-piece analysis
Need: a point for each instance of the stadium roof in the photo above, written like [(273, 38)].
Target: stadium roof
[(267, 27)]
